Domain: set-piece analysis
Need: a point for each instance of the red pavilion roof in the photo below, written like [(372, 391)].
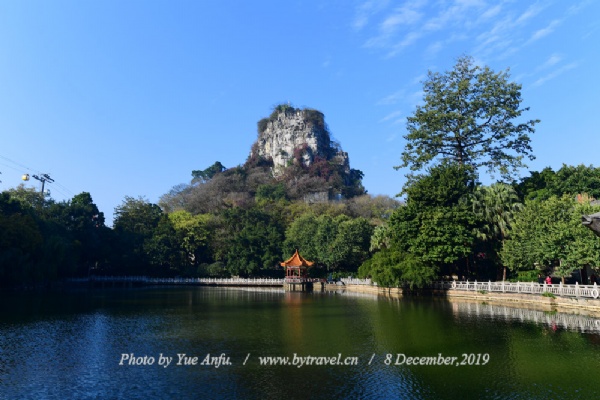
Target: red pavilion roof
[(296, 261)]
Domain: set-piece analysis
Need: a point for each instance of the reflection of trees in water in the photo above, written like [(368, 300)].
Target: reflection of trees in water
[(571, 322)]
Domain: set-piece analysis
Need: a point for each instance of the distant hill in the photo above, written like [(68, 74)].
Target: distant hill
[(293, 158)]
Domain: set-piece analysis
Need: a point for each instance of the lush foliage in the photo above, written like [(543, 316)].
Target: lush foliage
[(467, 118), (494, 206), (433, 233), (334, 242), (548, 235), (41, 241), (573, 180)]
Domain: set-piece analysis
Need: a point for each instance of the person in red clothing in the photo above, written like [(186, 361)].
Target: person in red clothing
[(548, 280)]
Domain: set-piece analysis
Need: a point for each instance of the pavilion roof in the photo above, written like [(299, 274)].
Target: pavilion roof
[(296, 261)]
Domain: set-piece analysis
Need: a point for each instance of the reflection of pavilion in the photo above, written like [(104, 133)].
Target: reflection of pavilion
[(296, 273)]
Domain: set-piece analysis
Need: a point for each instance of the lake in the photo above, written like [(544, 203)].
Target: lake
[(200, 342)]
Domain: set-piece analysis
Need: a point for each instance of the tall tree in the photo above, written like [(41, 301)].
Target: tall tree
[(432, 233), (467, 117), (134, 223), (495, 206)]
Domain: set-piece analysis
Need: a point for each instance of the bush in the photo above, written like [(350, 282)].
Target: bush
[(262, 125), (214, 270), (526, 276)]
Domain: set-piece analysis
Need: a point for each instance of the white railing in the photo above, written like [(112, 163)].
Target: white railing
[(356, 281), (185, 281), (576, 290), (302, 280)]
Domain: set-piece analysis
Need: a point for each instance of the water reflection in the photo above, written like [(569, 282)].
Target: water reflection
[(551, 319), (68, 345)]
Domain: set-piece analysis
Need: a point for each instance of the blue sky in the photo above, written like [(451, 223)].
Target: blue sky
[(127, 97)]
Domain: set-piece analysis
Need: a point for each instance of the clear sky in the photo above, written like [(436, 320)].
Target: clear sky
[(128, 97)]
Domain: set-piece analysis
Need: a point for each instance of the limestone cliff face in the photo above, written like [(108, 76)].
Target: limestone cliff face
[(290, 132)]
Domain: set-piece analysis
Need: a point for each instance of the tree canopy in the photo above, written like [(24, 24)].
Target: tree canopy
[(208, 173), (467, 117), (548, 235), (569, 179)]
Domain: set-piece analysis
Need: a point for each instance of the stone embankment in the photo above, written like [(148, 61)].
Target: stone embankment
[(564, 298)]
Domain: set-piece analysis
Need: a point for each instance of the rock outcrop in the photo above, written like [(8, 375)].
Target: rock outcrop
[(292, 135)]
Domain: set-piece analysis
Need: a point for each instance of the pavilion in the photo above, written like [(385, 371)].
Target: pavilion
[(296, 274), (296, 267)]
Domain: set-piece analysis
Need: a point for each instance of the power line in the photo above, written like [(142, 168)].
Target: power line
[(40, 176), (64, 188), (11, 167), (16, 163)]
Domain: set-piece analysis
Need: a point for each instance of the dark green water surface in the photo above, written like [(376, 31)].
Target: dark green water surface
[(71, 344)]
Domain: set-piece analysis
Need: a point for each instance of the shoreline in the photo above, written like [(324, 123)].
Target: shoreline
[(569, 305)]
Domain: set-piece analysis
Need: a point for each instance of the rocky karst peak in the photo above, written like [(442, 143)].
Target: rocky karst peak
[(290, 135)]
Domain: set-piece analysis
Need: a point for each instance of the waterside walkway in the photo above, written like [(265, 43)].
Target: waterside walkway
[(144, 280), (560, 290)]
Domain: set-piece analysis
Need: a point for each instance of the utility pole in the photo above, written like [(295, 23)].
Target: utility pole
[(44, 178)]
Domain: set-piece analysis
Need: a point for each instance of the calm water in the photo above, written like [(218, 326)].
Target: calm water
[(70, 345)]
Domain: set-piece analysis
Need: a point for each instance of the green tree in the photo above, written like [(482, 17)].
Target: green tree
[(193, 235), (28, 197), (393, 268), (300, 235), (495, 207), (84, 220), (433, 232), (20, 243), (577, 180), (136, 216), (134, 223), (163, 250), (350, 248), (385, 268), (207, 174), (467, 118), (270, 192), (381, 238), (254, 241), (548, 235), (539, 185), (573, 180), (335, 242)]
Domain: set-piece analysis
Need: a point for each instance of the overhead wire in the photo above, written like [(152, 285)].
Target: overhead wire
[(64, 188), (11, 167), (14, 162), (61, 189)]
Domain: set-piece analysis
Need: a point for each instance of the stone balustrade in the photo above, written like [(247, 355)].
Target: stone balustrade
[(576, 290)]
